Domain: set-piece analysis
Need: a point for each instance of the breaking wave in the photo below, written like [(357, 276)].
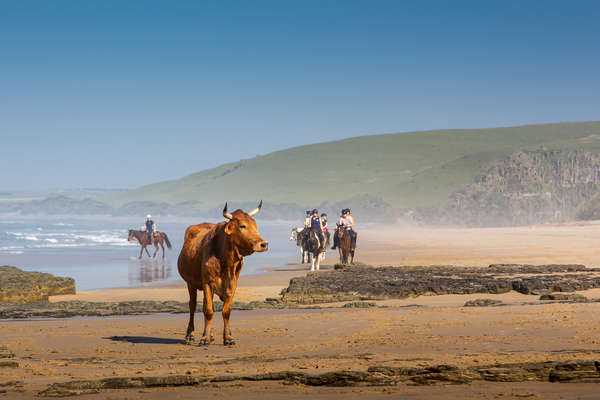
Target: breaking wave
[(38, 238)]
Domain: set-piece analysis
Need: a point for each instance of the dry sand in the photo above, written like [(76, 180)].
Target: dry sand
[(436, 331)]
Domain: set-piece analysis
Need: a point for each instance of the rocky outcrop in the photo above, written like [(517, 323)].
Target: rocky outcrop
[(528, 187), (376, 375), (482, 303), (378, 283), (77, 308), (18, 286), (7, 358)]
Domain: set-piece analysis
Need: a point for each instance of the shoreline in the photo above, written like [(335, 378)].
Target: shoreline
[(252, 287)]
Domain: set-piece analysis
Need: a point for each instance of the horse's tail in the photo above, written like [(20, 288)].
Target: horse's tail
[(167, 241)]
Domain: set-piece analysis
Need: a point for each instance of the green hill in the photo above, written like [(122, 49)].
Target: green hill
[(404, 170)]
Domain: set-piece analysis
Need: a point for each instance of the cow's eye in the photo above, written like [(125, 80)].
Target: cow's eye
[(242, 226)]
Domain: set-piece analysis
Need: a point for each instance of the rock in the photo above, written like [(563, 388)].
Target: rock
[(573, 297), (394, 371), (5, 358), (77, 308), (375, 375), (526, 188), (17, 286), (357, 283), (538, 269), (482, 303), (360, 304), (512, 372), (576, 371), (6, 353), (9, 364)]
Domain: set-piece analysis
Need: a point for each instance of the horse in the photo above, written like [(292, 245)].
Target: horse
[(142, 238), (344, 244), (316, 248), (299, 235)]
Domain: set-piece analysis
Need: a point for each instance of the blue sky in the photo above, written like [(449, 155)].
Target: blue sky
[(117, 94)]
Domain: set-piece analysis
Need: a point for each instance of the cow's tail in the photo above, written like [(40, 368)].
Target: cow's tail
[(167, 241)]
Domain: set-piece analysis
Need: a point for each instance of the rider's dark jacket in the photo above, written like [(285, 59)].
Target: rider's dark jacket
[(149, 225), (315, 223)]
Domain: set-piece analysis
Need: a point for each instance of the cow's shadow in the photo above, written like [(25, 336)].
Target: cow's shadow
[(145, 339)]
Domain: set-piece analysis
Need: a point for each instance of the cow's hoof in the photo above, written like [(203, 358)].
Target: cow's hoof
[(204, 342), (229, 342)]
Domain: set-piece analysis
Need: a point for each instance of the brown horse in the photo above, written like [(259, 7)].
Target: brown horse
[(142, 238), (344, 244)]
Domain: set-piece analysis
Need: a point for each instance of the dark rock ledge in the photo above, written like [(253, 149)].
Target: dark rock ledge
[(355, 283), (378, 375)]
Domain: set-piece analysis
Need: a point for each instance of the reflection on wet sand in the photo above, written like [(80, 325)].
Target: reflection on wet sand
[(153, 270)]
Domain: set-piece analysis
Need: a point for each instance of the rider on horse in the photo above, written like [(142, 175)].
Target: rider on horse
[(324, 225), (317, 226), (347, 221), (150, 228), (324, 222), (307, 219)]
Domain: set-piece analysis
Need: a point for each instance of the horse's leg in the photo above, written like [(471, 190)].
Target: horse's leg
[(141, 251), (155, 244), (146, 248), (312, 266), (318, 261), (352, 257), (189, 336), (163, 248)]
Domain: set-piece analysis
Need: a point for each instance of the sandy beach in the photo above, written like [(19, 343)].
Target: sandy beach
[(415, 332)]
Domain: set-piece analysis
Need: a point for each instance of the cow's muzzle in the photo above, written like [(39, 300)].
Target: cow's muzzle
[(261, 246)]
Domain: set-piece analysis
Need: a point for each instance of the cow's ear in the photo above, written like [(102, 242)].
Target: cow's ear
[(228, 228)]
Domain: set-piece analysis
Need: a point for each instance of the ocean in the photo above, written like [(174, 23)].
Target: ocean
[(95, 251)]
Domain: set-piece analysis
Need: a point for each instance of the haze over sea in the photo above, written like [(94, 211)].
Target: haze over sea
[(95, 251)]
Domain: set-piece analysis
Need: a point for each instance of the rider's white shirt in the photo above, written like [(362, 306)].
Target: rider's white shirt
[(346, 222)]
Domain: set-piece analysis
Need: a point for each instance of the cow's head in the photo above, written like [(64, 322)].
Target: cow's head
[(241, 229)]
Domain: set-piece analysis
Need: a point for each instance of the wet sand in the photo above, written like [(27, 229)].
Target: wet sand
[(415, 332)]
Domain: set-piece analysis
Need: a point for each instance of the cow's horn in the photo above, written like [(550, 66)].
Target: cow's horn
[(256, 210), (226, 214)]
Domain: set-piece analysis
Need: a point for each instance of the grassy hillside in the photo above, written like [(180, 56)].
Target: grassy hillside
[(408, 169)]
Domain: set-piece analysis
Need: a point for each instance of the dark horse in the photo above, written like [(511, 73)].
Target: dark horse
[(315, 247), (344, 245), (142, 237)]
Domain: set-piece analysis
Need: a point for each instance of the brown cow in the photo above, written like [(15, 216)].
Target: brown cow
[(211, 260)]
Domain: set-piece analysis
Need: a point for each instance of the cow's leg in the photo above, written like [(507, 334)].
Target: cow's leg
[(209, 313), (189, 336), (227, 338)]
